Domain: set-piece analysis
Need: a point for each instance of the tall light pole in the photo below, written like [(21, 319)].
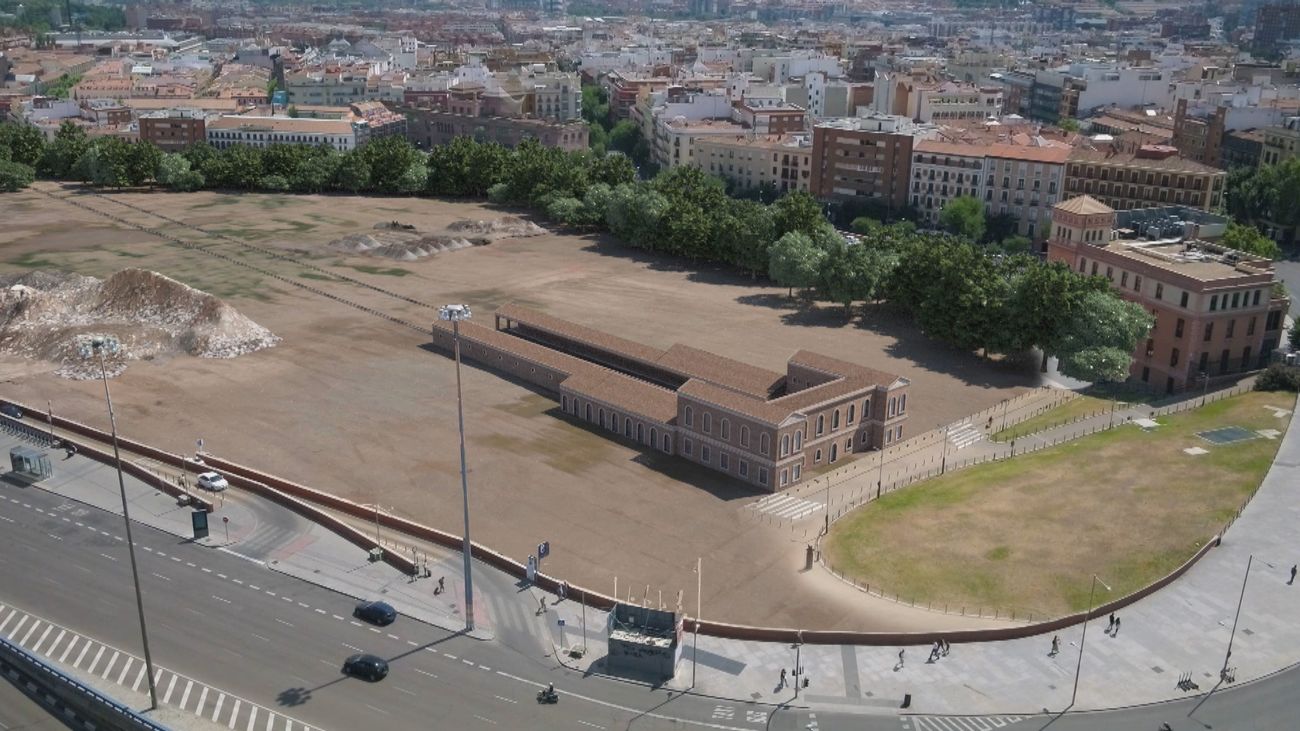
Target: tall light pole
[(943, 464), (97, 347), (699, 602), (1205, 388), (454, 314), (1228, 657), (1084, 637)]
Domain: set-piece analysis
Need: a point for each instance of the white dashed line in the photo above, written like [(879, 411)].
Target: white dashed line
[(164, 578), (584, 723), (422, 672), (220, 599), (354, 648), (378, 710), (485, 720), (281, 621), (503, 698), (110, 558)]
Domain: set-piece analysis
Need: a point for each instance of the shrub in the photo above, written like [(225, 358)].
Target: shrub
[(1279, 377)]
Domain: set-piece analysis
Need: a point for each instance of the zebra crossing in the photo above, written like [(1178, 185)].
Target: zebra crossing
[(959, 723), (786, 507), (58, 644), (965, 434)]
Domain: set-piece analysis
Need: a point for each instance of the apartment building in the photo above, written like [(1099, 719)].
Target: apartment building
[(939, 102), (1281, 143), (769, 116), (783, 162), (1276, 23), (226, 131), (326, 89), (427, 128), (1152, 176), (173, 130), (865, 158), (675, 139), (942, 171), (1217, 311), (624, 88)]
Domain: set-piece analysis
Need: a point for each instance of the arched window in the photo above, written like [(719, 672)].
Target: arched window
[(835, 420), (764, 444), (744, 435), (798, 440), (690, 415), (668, 443), (850, 419), (785, 445), (708, 422), (588, 412), (602, 418), (627, 427), (654, 436), (821, 424), (866, 409), (564, 402), (725, 426), (639, 432)]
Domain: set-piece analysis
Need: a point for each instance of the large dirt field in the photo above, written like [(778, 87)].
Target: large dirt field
[(354, 404)]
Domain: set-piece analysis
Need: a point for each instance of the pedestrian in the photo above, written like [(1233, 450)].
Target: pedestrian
[(1056, 646), (900, 658), (442, 585), (1292, 581), (946, 647), (782, 678), (1116, 633), (934, 652), (1111, 626)]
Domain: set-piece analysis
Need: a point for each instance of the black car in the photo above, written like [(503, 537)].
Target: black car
[(366, 667), (380, 613), (11, 411)]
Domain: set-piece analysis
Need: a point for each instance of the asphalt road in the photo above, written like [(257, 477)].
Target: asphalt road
[(278, 641)]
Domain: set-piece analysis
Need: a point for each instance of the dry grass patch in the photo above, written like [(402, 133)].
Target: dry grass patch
[(1071, 410), (1027, 534)]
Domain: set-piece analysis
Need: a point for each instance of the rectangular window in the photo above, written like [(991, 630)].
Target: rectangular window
[(704, 453), (1178, 328), (797, 469), (1214, 302), (1123, 279), (1110, 273), (686, 446), (1250, 327), (1182, 302), (902, 403), (1209, 331), (1137, 283), (1160, 291), (849, 420), (1173, 358), (762, 476), (744, 468), (785, 477), (1094, 269), (1256, 299), (1146, 374), (723, 460), (1083, 263), (1205, 362), (1236, 297), (1232, 325)]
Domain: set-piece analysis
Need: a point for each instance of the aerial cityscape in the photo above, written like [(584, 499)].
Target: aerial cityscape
[(746, 365)]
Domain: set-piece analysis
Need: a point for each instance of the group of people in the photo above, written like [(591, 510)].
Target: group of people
[(939, 650)]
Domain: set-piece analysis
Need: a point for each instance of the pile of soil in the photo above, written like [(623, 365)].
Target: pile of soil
[(53, 316), (403, 242)]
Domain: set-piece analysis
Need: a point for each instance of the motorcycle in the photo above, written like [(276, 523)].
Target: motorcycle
[(545, 696)]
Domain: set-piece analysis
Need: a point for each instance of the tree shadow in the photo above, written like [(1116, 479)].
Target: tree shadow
[(771, 300)]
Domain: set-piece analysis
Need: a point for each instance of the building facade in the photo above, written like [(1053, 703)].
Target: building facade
[(427, 128), (865, 159), (1151, 177), (226, 131), (761, 427), (1215, 309), (781, 162), (173, 131), (1281, 143)]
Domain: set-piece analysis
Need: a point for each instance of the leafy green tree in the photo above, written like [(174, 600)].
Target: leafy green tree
[(415, 179), (243, 167), (565, 210), (999, 227), (1250, 240), (464, 167), (966, 304), (635, 213), (612, 170), (171, 167), (1046, 298), (852, 273), (626, 137), (60, 158), (1293, 336), (273, 183), (865, 225), (24, 143), (1069, 124), (595, 104), (353, 172), (795, 261), (389, 159), (1266, 194), (142, 162), (964, 216), (107, 162), (317, 172), (797, 211), (1013, 245), (15, 176), (1099, 338), (745, 235), (597, 138), (283, 160)]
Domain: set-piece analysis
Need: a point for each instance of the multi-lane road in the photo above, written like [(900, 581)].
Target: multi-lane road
[(248, 647)]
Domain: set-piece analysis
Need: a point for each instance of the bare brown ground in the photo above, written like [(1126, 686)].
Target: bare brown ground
[(354, 405)]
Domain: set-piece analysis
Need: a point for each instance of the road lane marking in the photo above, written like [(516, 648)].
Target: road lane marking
[(139, 677), (41, 640), (304, 606), (18, 627), (126, 668), (354, 648), (109, 667), (486, 720), (377, 710), (320, 611), (185, 696), (35, 624), (205, 570), (91, 670), (7, 520), (271, 593), (55, 644), (503, 698), (237, 581), (234, 713), (404, 690), (164, 578), (337, 617), (256, 588), (221, 701), (264, 639), (412, 644), (84, 647), (468, 662), (187, 563), (485, 667), (393, 636), (8, 619), (170, 687), (287, 599), (220, 599), (281, 621), (450, 656), (355, 624), (422, 672), (585, 723), (110, 558), (57, 538), (252, 716), (222, 576)]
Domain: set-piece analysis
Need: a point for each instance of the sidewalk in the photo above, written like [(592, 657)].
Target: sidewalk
[(1183, 628), (268, 534)]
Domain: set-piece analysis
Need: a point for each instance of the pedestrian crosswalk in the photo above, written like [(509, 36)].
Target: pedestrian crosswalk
[(965, 434), (62, 646), (959, 723), (786, 507)]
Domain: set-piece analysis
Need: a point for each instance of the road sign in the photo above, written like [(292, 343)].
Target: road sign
[(199, 520), (543, 549), (561, 622)]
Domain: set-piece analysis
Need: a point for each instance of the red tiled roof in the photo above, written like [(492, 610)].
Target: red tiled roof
[(743, 377)]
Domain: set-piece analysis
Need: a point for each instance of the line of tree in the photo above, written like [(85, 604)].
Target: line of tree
[(1264, 196), (957, 290), (606, 135)]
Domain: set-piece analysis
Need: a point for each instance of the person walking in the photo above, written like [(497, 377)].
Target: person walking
[(1056, 646), (1116, 632), (1111, 626), (934, 652), (900, 658), (1292, 580), (442, 585), (946, 647), (782, 685)]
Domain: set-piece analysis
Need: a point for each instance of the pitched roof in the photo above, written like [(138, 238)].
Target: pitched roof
[(625, 393), (1083, 205), (743, 377), (580, 333)]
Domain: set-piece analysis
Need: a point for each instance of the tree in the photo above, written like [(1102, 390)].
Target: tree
[(243, 167), (1293, 336), (353, 172), (595, 104), (797, 211), (612, 169), (852, 273), (24, 143), (1045, 299), (1099, 338), (108, 162), (389, 159), (1248, 239), (964, 216), (795, 261), (597, 138), (61, 155), (1000, 226), (142, 162), (15, 176), (745, 235), (1069, 124), (316, 173), (283, 160), (864, 225), (171, 167), (1012, 245), (1266, 194)]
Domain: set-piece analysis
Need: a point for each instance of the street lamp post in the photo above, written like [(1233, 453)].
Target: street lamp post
[(880, 476), (943, 464), (455, 314), (1228, 657), (97, 346), (798, 669), (699, 602), (1084, 637), (1205, 387)]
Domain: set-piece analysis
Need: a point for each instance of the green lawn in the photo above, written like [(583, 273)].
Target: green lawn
[(1075, 408), (1029, 533)]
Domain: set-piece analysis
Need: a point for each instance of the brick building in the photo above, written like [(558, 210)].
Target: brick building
[(865, 158), (758, 426), (782, 162), (1216, 310), (427, 128), (174, 130)]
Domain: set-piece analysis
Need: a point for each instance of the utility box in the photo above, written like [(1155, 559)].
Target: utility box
[(644, 641), (30, 464), (376, 555)]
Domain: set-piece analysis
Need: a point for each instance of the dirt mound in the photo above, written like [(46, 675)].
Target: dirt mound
[(506, 227), (403, 242), (54, 316)]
